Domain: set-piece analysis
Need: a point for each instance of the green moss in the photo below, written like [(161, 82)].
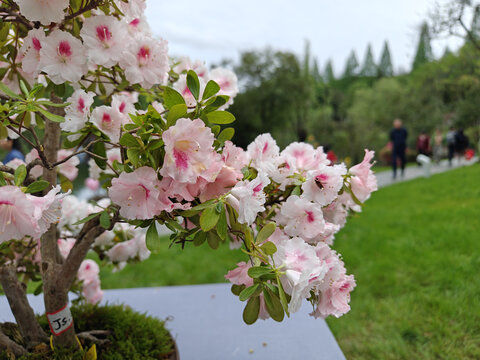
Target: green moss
[(132, 335)]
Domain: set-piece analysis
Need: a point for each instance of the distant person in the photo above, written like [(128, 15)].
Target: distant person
[(461, 143), (14, 149), (450, 144), (398, 137), (437, 145), (423, 144)]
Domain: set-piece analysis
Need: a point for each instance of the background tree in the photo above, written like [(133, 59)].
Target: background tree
[(329, 74), (385, 67), (424, 52), (351, 67), (369, 68)]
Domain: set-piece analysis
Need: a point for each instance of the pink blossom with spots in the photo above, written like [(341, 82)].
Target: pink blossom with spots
[(45, 11), (239, 275), (30, 50), (48, 208), (62, 57), (301, 217), (188, 150), (228, 82), (77, 113), (125, 104), (108, 120), (322, 185), (363, 181), (146, 61), (248, 198), (89, 274), (306, 157), (69, 168), (65, 245), (104, 38), (137, 193), (264, 154)]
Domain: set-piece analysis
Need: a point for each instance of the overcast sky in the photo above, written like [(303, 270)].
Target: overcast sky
[(211, 30)]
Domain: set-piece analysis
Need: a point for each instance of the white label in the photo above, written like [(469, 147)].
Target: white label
[(60, 321)]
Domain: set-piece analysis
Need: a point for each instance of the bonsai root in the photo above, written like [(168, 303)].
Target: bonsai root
[(95, 336), (10, 345)]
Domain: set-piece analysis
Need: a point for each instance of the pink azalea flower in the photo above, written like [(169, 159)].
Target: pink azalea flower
[(17, 215), (88, 273), (125, 104), (303, 269), (108, 120), (322, 185), (335, 300), (76, 114), (234, 156), (132, 9), (45, 11), (186, 64), (69, 168), (62, 57), (92, 184), (104, 38), (146, 61), (264, 154), (15, 163), (31, 51), (112, 155), (228, 82), (301, 217), (363, 181), (306, 157), (239, 275), (188, 150), (48, 208), (137, 193), (248, 198)]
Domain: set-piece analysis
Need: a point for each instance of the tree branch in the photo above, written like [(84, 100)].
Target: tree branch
[(10, 345), (17, 298)]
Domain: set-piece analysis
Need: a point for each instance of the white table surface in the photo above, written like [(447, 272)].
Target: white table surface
[(207, 324)]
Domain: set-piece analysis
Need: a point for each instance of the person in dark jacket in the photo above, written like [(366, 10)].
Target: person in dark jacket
[(398, 137), (461, 143)]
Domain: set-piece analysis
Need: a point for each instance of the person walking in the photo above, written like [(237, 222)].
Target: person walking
[(437, 146), (450, 144), (423, 144), (398, 137), (461, 144)]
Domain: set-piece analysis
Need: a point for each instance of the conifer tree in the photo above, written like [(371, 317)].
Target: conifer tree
[(351, 67), (424, 52), (385, 68), (369, 68), (329, 74), (317, 76)]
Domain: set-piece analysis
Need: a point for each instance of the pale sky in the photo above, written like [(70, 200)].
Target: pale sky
[(211, 30)]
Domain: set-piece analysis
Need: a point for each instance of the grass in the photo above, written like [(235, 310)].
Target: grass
[(415, 254), (414, 251)]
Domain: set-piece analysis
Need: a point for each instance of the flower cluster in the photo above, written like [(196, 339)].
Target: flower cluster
[(154, 133)]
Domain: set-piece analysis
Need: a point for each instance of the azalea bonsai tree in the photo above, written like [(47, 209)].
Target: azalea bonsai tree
[(86, 81)]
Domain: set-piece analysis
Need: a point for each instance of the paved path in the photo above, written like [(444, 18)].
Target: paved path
[(384, 178)]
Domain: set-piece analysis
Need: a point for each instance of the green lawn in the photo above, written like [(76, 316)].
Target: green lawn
[(415, 254)]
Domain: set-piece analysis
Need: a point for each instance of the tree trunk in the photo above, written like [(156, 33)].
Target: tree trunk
[(23, 313), (10, 345)]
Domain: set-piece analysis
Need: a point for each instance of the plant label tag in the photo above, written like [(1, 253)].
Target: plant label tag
[(60, 321)]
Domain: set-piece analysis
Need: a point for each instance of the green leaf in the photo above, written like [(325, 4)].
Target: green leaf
[(209, 219), (84, 220), (199, 238), (248, 292), (273, 305), (296, 191), (193, 83), (265, 232), (129, 141), (153, 239), (5, 89), (38, 290), (105, 219), (213, 240), (205, 205), (283, 298), (226, 134), (211, 89), (251, 311), (37, 186), (237, 289), (172, 97), (2, 179), (134, 156), (20, 175), (222, 227), (99, 149), (269, 248), (24, 89), (176, 112), (220, 117), (50, 116), (257, 271)]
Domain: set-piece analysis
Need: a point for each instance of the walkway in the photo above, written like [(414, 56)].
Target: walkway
[(384, 178)]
